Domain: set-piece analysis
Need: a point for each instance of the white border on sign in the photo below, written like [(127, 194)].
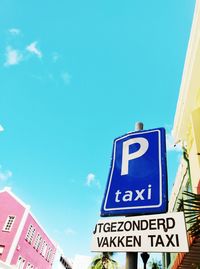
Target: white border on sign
[(110, 234), (160, 178)]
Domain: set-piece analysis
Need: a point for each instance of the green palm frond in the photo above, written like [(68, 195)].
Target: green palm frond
[(104, 261)]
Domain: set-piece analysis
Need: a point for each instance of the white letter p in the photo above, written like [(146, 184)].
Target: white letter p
[(126, 157)]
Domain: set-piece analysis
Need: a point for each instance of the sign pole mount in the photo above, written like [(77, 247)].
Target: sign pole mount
[(132, 257)]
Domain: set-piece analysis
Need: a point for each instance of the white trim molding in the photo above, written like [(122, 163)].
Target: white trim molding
[(17, 235)]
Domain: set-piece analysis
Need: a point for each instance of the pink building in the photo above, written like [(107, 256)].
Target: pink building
[(23, 242)]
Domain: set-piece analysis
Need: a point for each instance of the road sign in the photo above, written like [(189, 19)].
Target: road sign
[(137, 182), (150, 233)]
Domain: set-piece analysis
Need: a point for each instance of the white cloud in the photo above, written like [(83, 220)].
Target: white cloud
[(82, 262), (13, 56), (14, 31), (90, 179), (4, 175), (32, 48), (1, 128), (66, 77), (171, 144), (69, 231)]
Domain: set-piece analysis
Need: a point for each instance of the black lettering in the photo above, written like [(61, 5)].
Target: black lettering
[(137, 225), (159, 241), (105, 242), (151, 237), (129, 226), (100, 225), (95, 229), (129, 241), (99, 241), (112, 241), (170, 240), (144, 224), (161, 222), (137, 240), (106, 227), (152, 224), (120, 226), (170, 225), (120, 241), (113, 226), (177, 240)]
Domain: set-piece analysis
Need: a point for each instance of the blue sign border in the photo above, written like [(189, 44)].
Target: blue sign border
[(162, 206)]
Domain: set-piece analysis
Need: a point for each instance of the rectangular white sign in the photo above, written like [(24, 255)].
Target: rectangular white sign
[(151, 233)]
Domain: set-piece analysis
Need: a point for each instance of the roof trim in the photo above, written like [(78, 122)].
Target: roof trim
[(183, 108), (8, 190)]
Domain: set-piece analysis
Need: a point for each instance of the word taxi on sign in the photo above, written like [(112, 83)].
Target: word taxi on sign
[(137, 182), (152, 233)]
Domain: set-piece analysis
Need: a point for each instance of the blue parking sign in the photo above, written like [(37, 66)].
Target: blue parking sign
[(137, 182)]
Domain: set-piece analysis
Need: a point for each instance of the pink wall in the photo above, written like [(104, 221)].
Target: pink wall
[(11, 205), (8, 206), (27, 250)]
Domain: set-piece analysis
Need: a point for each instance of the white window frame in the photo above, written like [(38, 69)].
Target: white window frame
[(28, 266), (20, 262), (52, 257), (30, 234), (2, 247), (9, 223), (49, 254), (44, 249), (38, 241), (23, 263)]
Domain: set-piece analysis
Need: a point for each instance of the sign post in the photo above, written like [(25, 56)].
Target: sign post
[(136, 189), (132, 258)]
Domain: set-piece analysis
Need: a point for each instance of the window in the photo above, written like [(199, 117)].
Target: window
[(9, 223), (20, 263), (29, 266), (52, 257), (49, 254), (38, 241), (1, 249), (30, 234), (44, 249)]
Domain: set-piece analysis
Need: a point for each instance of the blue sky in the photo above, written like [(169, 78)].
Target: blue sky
[(74, 76)]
